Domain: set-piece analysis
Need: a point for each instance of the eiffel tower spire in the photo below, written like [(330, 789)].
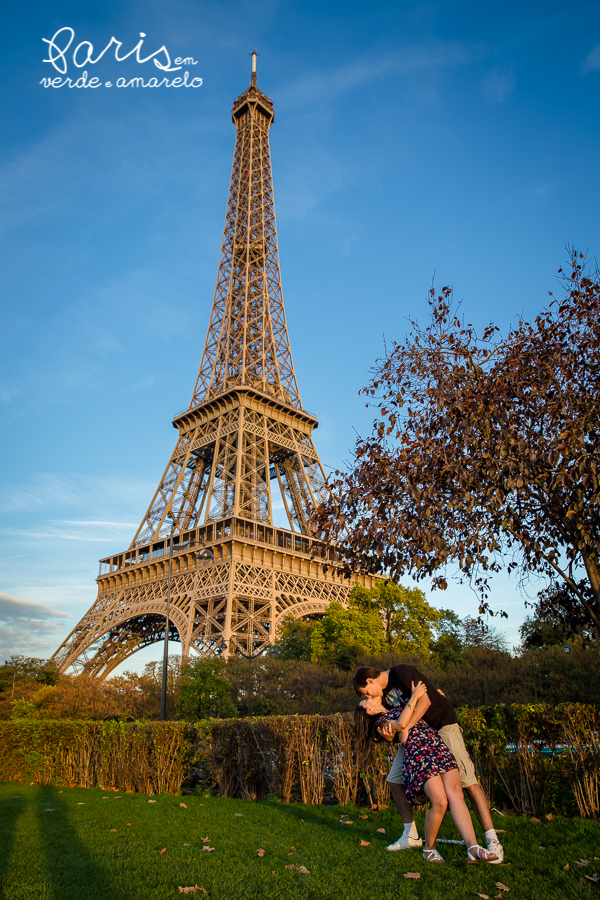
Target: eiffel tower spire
[(244, 440)]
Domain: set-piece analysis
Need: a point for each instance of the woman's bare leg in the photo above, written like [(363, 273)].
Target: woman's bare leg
[(434, 788), (458, 808)]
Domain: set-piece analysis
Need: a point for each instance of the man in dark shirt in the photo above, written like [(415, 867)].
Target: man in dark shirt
[(394, 687)]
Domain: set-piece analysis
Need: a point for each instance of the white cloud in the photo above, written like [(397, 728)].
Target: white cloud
[(498, 83), (26, 627), (592, 61), (15, 608)]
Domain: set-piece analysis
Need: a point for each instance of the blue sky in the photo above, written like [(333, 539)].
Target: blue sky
[(411, 141)]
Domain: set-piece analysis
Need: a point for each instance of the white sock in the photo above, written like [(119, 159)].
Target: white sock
[(491, 836), (410, 830)]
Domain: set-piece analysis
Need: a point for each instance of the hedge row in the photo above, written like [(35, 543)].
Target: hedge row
[(533, 759)]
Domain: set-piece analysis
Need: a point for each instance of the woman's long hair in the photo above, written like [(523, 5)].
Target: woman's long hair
[(364, 732)]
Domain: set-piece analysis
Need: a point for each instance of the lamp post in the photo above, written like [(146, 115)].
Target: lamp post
[(163, 691), (250, 656)]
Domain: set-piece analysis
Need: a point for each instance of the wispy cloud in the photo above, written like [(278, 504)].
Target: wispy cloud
[(57, 490), (499, 82), (429, 57), (592, 61)]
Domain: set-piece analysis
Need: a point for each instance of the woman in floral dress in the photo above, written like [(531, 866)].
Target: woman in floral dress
[(430, 771)]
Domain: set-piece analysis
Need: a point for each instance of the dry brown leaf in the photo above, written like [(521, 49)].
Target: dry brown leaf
[(593, 878), (81, 804), (49, 810), (261, 852), (541, 848), (347, 822), (191, 890), (187, 845), (582, 862), (363, 817), (549, 817), (303, 870), (411, 875), (183, 805), (502, 887), (112, 829), (582, 880), (60, 792), (241, 815), (149, 801), (129, 824), (208, 849), (365, 843), (500, 830), (374, 807), (381, 831), (566, 868), (164, 850), (483, 896), (533, 819), (205, 840), (291, 866)]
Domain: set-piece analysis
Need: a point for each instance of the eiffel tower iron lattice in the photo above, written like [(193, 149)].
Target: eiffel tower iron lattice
[(245, 429)]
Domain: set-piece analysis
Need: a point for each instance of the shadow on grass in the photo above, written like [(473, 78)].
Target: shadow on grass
[(10, 812), (73, 871)]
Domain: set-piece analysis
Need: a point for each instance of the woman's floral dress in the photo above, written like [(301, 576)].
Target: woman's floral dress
[(425, 755)]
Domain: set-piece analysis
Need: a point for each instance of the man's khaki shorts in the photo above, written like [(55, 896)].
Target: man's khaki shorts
[(453, 739)]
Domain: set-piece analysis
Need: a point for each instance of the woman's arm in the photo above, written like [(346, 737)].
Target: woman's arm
[(414, 710)]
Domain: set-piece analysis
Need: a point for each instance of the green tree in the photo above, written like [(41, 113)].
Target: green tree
[(342, 635), (205, 692), (407, 617), (294, 639)]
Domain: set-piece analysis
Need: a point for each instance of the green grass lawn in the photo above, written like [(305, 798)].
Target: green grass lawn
[(95, 845)]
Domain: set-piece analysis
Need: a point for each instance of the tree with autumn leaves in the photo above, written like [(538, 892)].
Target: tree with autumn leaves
[(485, 452)]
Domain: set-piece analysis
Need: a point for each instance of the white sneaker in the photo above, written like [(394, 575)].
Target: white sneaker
[(406, 843), (496, 847)]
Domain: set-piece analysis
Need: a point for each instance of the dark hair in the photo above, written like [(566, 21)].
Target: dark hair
[(359, 679), (364, 729)]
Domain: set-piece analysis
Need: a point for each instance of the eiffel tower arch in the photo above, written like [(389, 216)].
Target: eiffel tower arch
[(244, 434)]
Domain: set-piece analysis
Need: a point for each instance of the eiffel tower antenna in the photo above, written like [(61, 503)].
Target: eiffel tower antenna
[(244, 443)]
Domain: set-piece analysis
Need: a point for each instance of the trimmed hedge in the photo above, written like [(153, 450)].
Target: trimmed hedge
[(534, 758)]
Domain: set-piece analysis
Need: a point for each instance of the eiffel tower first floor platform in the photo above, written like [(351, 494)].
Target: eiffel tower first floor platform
[(259, 576)]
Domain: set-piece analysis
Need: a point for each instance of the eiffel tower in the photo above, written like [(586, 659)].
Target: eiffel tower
[(244, 432)]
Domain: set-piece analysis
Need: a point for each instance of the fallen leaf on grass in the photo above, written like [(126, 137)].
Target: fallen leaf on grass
[(291, 866), (502, 887), (363, 817), (533, 819), (205, 840), (81, 804), (541, 848), (187, 845), (566, 868), (183, 805), (261, 852), (303, 870), (129, 824), (374, 807), (365, 843), (593, 878), (411, 875), (483, 896), (49, 810), (239, 814), (112, 829), (117, 798), (149, 801), (381, 831), (549, 817), (208, 849), (582, 862), (500, 830), (347, 822), (60, 792), (191, 890), (582, 881), (164, 850), (17, 797)]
